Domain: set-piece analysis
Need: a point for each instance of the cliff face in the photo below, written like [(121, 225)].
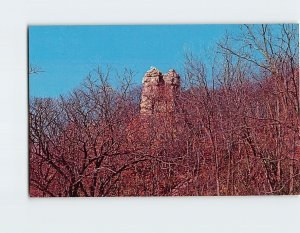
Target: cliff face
[(159, 91)]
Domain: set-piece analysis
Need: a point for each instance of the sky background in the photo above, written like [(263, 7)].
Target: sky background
[(67, 54)]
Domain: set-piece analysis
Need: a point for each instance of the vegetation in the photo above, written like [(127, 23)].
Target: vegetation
[(235, 130)]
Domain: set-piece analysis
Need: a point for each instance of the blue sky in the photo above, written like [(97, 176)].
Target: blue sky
[(67, 54)]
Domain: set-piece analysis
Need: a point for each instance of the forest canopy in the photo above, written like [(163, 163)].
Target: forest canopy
[(234, 131)]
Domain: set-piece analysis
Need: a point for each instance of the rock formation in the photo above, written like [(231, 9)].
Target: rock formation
[(159, 91)]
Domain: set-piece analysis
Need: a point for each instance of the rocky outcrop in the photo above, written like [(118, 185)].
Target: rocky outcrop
[(159, 91)]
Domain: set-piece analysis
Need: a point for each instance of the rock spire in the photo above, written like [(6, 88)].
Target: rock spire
[(159, 91)]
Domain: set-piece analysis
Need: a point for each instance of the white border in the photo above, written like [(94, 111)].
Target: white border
[(18, 213)]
